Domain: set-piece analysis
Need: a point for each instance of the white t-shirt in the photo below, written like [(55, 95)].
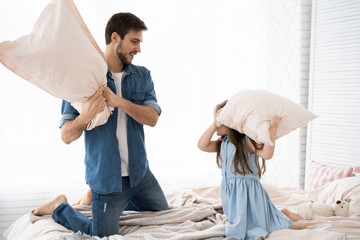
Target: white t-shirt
[(121, 130)]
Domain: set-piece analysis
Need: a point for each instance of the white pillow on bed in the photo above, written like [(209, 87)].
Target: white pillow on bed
[(59, 56), (341, 189), (249, 112)]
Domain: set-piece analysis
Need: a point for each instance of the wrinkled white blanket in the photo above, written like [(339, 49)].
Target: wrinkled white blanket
[(195, 214)]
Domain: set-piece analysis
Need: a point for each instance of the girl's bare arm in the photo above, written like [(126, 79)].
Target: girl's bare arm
[(267, 151), (205, 144)]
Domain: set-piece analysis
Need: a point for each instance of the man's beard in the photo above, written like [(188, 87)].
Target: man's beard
[(122, 56)]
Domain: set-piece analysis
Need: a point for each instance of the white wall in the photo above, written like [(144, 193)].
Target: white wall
[(288, 75), (198, 56)]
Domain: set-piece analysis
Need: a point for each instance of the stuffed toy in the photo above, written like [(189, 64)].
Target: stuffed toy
[(314, 210)]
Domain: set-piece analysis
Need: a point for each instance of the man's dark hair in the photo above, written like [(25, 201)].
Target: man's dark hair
[(122, 23)]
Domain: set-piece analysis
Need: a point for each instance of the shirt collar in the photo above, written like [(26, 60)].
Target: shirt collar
[(127, 70)]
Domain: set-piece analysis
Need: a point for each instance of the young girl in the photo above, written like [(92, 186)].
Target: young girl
[(250, 212)]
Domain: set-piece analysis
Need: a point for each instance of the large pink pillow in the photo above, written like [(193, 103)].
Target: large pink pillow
[(249, 112), (59, 56)]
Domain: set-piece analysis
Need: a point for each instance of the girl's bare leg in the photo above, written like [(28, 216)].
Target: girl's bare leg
[(292, 215), (298, 225), (295, 217), (49, 207)]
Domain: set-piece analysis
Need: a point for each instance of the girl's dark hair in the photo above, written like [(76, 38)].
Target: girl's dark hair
[(122, 23), (240, 157)]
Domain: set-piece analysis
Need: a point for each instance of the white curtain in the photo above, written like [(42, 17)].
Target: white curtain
[(334, 138)]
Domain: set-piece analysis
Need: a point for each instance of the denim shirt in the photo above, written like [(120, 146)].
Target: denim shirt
[(102, 156)]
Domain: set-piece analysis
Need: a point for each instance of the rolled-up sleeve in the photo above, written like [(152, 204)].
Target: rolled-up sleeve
[(150, 96), (68, 113), (154, 105)]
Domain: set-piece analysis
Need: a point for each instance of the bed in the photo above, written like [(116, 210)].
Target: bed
[(197, 214)]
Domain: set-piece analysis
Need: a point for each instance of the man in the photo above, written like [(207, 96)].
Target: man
[(117, 169)]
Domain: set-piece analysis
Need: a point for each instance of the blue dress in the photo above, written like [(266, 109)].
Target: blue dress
[(251, 214)]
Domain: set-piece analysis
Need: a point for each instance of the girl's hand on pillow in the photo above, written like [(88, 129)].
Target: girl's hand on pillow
[(274, 122), (216, 115)]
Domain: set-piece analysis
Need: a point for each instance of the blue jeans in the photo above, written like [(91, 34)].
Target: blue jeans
[(107, 208)]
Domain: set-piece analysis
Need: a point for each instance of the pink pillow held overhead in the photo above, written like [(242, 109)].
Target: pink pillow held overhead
[(60, 56), (249, 112)]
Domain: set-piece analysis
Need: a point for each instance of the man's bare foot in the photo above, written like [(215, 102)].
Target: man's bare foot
[(292, 215), (85, 199), (298, 225), (49, 207)]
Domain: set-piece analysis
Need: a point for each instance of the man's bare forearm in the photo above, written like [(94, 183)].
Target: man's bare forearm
[(72, 130), (145, 115)]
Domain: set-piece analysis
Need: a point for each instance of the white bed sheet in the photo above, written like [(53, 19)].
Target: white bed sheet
[(197, 214)]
